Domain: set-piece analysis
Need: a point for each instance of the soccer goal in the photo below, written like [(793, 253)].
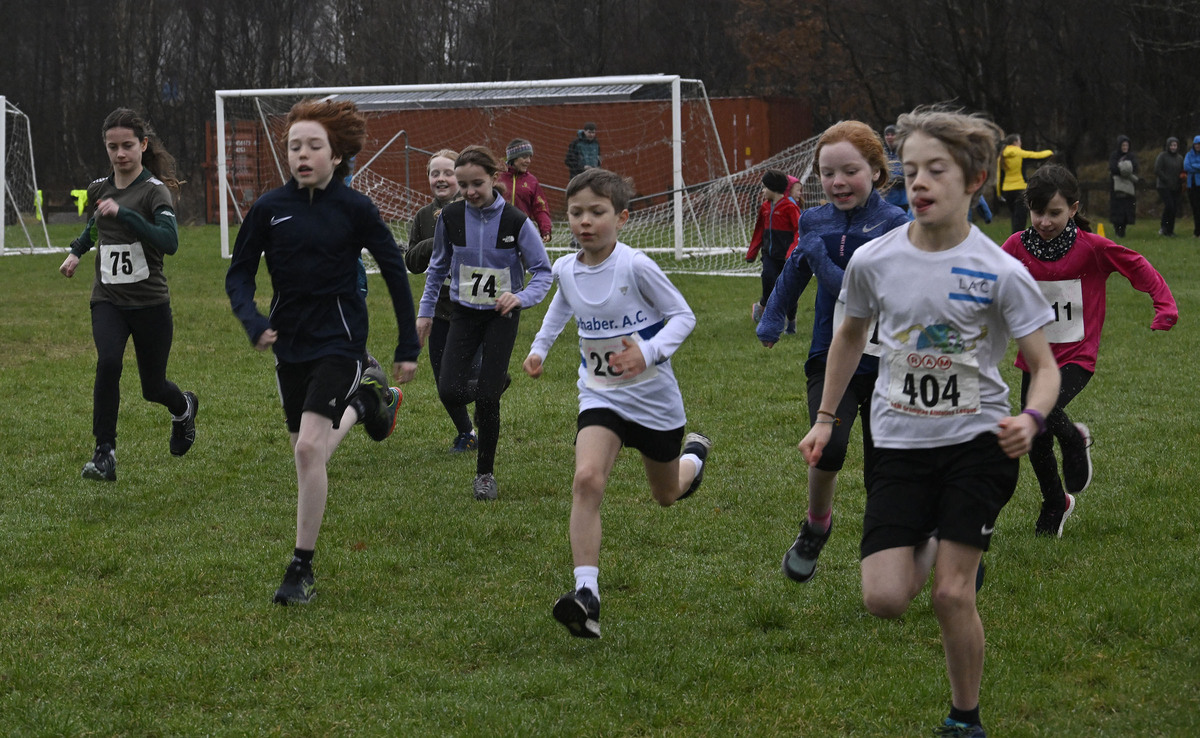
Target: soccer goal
[(690, 213), (20, 209)]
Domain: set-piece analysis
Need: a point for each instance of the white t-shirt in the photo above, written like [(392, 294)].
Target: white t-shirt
[(625, 295), (945, 319)]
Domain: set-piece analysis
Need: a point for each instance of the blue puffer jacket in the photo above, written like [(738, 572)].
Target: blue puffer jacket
[(1191, 164), (828, 237)]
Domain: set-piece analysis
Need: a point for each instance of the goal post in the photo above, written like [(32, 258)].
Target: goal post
[(689, 213), (20, 206)]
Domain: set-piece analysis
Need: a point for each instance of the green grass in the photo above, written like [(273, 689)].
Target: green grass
[(143, 607)]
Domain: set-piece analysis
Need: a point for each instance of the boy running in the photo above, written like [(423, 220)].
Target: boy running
[(631, 319), (946, 447)]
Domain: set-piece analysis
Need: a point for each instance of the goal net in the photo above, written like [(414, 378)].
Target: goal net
[(689, 213), (20, 214)]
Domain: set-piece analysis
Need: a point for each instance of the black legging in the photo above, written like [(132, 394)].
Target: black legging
[(437, 346), (471, 329), (1058, 425), (1016, 206), (152, 331), (770, 272), (1194, 201)]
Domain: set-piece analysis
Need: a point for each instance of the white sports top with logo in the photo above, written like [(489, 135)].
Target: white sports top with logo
[(945, 319), (626, 296)]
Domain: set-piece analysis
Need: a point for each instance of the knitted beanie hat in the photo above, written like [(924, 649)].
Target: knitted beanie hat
[(775, 181), (517, 148)]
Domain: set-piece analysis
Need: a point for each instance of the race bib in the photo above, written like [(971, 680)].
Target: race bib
[(1066, 299), (481, 285), (123, 263), (873, 347), (598, 371), (932, 384)]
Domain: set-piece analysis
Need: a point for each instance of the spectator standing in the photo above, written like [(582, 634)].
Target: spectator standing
[(1010, 177), (1168, 178), (584, 152), (522, 188), (1122, 205), (1191, 168)]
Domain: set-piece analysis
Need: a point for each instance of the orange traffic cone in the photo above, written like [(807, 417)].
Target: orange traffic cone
[(1100, 230)]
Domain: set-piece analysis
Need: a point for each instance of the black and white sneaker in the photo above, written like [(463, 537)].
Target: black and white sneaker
[(1077, 466), (1050, 520), (698, 444), (298, 583), (580, 612), (183, 429), (800, 561), (103, 466)]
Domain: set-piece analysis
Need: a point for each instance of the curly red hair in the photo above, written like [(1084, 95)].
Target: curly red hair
[(345, 126)]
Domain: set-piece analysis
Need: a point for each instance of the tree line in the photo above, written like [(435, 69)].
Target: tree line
[(1069, 75)]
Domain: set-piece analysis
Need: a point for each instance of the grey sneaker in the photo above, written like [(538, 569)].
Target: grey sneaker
[(800, 561), (486, 487)]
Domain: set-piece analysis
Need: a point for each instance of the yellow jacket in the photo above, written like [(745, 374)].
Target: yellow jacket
[(1008, 167)]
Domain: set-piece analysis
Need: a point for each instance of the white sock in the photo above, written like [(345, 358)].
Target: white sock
[(695, 460), (585, 576)]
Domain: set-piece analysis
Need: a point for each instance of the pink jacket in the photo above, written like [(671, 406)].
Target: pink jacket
[(1091, 260)]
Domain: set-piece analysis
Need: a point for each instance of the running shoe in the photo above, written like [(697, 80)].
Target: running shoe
[(485, 487), (1077, 467), (297, 587), (183, 429), (464, 442), (954, 729), (103, 466), (580, 612), (1050, 521), (756, 311), (700, 445), (380, 425), (800, 561)]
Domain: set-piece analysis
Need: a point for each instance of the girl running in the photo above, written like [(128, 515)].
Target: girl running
[(1071, 266), (485, 246), (312, 231), (444, 187), (853, 166), (133, 224)]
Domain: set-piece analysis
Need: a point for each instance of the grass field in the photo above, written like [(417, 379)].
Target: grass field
[(143, 607)]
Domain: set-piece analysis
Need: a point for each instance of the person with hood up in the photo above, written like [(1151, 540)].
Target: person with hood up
[(1168, 177), (1191, 168), (1122, 166)]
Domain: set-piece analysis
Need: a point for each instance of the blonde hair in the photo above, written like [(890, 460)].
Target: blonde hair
[(450, 154), (971, 138)]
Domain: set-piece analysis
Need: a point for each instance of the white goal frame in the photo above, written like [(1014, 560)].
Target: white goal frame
[(224, 190), (7, 197)]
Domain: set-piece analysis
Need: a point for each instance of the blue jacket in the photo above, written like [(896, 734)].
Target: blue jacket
[(828, 238), (312, 248), (1191, 165)]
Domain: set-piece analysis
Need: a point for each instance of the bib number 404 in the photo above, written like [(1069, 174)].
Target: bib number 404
[(930, 390)]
